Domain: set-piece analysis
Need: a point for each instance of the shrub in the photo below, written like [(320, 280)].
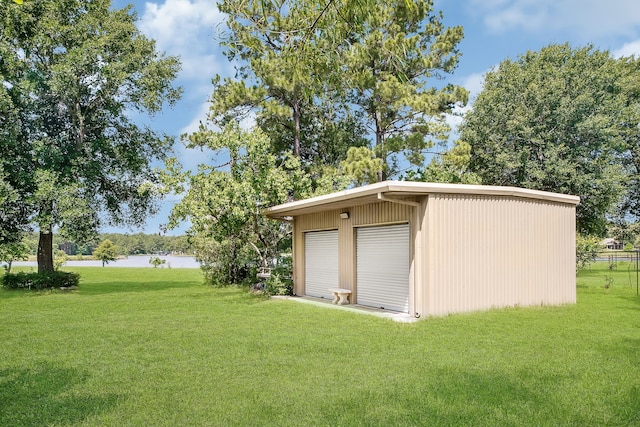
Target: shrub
[(281, 282), (59, 258), (57, 279), (587, 250), (279, 286)]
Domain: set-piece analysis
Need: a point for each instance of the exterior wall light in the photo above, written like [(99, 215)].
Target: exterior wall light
[(344, 215)]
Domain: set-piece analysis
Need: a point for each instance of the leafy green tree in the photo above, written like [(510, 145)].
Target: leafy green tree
[(14, 251), (106, 252), (59, 258), (395, 49), (587, 250), (450, 167), (12, 221), (629, 121), (157, 261), (69, 74), (228, 231), (549, 121)]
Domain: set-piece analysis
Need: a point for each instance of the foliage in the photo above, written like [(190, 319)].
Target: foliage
[(284, 63), (319, 76), (587, 250), (127, 244), (622, 230), (281, 280), (239, 360), (277, 285), (59, 258), (12, 225), (362, 165), (549, 121), (629, 118), (450, 167), (392, 51), (231, 237), (71, 73), (10, 252), (39, 281), (156, 261), (106, 252)]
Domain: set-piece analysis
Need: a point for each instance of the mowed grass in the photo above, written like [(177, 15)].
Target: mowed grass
[(156, 347)]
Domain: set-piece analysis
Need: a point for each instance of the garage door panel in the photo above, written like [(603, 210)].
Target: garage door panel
[(382, 263), (321, 263)]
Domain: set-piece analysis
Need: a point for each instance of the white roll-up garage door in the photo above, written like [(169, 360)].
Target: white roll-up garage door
[(383, 267), (320, 263)]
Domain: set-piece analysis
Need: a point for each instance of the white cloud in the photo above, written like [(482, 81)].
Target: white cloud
[(516, 16), (474, 83), (588, 18), (199, 117), (185, 28), (628, 49)]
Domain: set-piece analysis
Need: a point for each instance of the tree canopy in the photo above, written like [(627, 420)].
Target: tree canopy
[(106, 252), (322, 78), (550, 120), (395, 53), (71, 73), (224, 203)]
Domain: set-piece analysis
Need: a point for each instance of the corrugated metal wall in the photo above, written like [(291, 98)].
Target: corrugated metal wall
[(483, 252), (370, 214), (467, 252)]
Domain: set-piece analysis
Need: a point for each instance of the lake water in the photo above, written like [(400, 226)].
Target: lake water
[(131, 261)]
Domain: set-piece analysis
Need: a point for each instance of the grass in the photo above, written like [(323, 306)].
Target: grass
[(155, 347)]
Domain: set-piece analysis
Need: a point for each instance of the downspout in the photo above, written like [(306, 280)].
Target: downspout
[(418, 223)]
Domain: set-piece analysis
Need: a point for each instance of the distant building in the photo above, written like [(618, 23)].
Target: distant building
[(613, 244)]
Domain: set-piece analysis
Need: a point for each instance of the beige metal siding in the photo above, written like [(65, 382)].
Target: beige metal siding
[(490, 251), (371, 214)]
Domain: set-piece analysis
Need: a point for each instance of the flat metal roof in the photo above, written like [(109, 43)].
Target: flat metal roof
[(369, 194)]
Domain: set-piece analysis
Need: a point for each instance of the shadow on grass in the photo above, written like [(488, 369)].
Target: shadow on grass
[(44, 396)]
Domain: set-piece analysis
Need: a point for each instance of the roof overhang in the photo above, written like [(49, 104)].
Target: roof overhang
[(398, 189)]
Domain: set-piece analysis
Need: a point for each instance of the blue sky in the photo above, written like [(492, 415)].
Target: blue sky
[(494, 30)]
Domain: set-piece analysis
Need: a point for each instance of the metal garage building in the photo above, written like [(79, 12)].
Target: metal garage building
[(432, 249)]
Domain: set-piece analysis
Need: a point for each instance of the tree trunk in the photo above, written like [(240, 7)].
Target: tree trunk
[(45, 251), (380, 145), (296, 129)]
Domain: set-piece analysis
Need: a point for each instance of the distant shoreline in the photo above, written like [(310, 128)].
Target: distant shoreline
[(139, 261)]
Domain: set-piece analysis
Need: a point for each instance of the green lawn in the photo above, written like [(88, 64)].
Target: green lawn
[(156, 347)]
